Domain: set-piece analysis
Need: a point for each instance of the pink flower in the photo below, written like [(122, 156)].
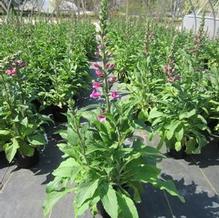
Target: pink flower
[(97, 66), (101, 118), (172, 79), (95, 94), (99, 73), (96, 85), (115, 95), (11, 72), (20, 63), (110, 66), (112, 79), (168, 69)]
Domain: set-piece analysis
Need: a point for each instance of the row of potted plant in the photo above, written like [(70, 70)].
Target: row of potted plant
[(44, 77), (104, 164), (21, 132), (172, 78), (57, 57)]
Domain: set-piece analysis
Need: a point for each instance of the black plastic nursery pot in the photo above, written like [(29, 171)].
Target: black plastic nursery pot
[(56, 112), (177, 154), (102, 211), (3, 161), (36, 104), (59, 114), (27, 162), (1, 150), (212, 124)]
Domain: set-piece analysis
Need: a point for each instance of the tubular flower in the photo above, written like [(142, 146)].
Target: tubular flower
[(20, 63), (11, 72), (168, 69), (99, 73), (95, 94), (110, 66), (115, 95), (96, 85), (97, 66), (101, 118), (112, 79)]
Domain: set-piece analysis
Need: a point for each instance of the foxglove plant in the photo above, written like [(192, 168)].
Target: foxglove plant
[(20, 129), (169, 68), (99, 166)]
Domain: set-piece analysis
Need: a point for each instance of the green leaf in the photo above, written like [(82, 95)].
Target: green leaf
[(170, 187), (26, 149), (94, 148), (86, 191), (187, 114), (5, 132), (126, 206), (179, 134), (52, 198), (72, 137), (144, 173), (157, 120), (110, 202), (178, 146), (68, 168), (37, 139), (80, 211), (11, 149), (202, 119), (24, 122), (89, 115), (151, 151), (137, 190), (154, 113), (171, 129)]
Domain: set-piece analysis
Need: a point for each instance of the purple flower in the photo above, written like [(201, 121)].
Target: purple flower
[(115, 95), (96, 85), (99, 73), (112, 79), (95, 94)]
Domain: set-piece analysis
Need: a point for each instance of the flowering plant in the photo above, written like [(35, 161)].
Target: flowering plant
[(57, 56), (171, 86), (20, 128), (104, 163)]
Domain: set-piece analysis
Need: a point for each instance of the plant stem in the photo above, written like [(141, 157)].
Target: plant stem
[(81, 141), (8, 100), (106, 85)]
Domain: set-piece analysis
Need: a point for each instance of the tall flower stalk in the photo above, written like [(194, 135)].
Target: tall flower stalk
[(105, 79)]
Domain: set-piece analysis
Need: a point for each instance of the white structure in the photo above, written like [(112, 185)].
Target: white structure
[(192, 22), (48, 6), (210, 10)]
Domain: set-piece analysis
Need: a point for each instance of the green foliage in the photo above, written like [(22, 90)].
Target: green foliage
[(56, 55), (20, 128), (102, 166), (172, 78)]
